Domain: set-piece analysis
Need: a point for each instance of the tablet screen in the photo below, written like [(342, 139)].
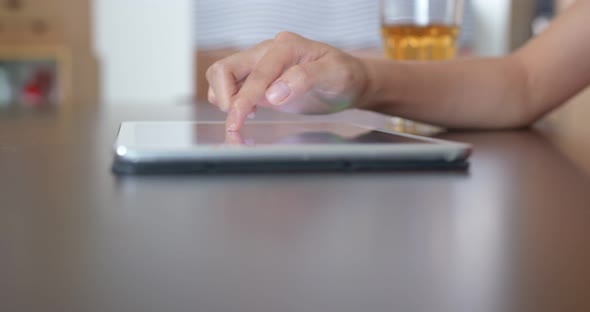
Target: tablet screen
[(190, 134)]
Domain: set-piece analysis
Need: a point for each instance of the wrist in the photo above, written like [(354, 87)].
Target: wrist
[(372, 86)]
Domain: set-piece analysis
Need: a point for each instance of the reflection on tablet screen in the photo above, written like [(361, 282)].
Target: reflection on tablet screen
[(183, 134)]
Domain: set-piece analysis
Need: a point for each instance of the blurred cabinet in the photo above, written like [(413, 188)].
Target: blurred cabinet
[(45, 48)]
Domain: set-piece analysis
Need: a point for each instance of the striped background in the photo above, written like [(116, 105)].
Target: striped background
[(347, 24)]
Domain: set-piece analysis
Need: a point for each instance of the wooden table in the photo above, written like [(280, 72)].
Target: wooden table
[(509, 235)]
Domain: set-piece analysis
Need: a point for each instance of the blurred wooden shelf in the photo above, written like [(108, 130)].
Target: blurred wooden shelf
[(57, 31), (53, 53)]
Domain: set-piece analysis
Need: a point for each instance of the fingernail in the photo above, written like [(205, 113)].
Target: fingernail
[(277, 93), (252, 115)]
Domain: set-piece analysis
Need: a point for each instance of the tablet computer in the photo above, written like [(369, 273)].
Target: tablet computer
[(196, 147)]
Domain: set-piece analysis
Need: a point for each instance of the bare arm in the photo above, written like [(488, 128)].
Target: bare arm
[(511, 91), (295, 74)]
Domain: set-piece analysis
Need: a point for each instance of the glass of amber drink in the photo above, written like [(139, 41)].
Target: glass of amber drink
[(424, 30), (420, 30)]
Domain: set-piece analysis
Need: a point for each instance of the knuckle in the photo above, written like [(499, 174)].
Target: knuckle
[(286, 37), (211, 97), (218, 68)]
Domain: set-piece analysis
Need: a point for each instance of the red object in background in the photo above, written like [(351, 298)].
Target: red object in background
[(37, 91)]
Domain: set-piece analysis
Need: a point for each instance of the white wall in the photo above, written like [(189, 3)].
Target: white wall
[(145, 49)]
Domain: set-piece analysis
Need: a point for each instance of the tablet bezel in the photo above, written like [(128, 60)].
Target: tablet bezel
[(433, 150)]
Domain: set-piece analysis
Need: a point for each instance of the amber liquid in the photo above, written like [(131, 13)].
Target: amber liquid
[(433, 42)]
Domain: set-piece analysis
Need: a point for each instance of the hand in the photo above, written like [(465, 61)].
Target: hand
[(289, 73)]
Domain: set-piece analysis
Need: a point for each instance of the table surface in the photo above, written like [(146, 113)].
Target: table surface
[(511, 234)]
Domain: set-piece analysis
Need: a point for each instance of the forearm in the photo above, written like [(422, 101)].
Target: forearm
[(464, 93), (507, 92)]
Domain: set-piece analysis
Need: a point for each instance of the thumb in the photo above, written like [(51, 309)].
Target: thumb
[(297, 81)]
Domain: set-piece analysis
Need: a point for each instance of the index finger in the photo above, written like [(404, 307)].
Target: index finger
[(279, 57), (225, 75)]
